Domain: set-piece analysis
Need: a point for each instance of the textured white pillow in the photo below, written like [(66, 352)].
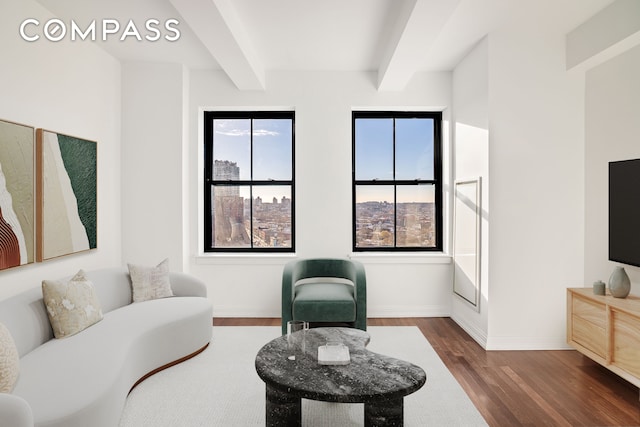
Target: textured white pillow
[(9, 361), (73, 306), (149, 283)]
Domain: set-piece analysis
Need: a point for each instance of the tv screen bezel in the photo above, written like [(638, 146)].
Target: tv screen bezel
[(624, 178)]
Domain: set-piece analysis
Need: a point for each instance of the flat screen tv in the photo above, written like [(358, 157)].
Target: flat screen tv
[(624, 212)]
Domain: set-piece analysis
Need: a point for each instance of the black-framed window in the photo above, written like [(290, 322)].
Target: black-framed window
[(397, 181), (249, 184)]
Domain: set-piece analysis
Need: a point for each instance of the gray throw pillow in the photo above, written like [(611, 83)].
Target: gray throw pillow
[(148, 283)]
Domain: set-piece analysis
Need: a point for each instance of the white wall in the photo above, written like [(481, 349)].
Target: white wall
[(470, 118), (152, 138), (71, 88), (536, 156), (612, 133), (323, 101)]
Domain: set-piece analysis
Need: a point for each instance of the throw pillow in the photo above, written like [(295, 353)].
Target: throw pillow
[(72, 307), (9, 361), (149, 283)]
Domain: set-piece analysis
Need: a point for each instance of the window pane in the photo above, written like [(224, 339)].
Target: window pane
[(374, 216), (414, 149), (231, 219), (232, 149), (272, 216), (416, 222), (272, 149), (374, 149)]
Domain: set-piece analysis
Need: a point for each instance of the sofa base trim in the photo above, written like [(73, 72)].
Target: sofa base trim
[(170, 364)]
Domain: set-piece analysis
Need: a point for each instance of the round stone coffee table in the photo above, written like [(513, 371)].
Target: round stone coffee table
[(380, 382)]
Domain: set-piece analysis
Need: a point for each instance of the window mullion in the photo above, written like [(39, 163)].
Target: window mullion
[(395, 191), (251, 239)]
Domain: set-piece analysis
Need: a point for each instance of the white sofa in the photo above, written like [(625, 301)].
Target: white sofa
[(83, 380)]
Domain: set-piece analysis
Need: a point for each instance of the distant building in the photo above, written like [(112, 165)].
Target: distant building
[(228, 206), (224, 170)]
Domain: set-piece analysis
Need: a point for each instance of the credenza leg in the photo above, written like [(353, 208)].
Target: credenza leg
[(282, 409), (389, 413)]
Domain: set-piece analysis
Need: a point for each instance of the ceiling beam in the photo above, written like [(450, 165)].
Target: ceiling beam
[(610, 32), (415, 31), (216, 24)]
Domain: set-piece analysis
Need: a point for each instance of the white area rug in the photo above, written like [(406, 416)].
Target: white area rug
[(220, 386)]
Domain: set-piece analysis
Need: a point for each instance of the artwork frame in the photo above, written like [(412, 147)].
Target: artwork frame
[(466, 240), (17, 202), (66, 194)]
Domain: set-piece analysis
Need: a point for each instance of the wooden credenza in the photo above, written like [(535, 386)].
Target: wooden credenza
[(606, 329)]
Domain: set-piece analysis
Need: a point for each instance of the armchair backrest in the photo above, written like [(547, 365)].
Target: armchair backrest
[(324, 267)]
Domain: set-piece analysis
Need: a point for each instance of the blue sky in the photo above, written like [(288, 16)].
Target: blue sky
[(374, 149), (374, 154)]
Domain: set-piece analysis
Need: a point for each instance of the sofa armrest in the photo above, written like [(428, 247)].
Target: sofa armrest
[(15, 411), (186, 285)]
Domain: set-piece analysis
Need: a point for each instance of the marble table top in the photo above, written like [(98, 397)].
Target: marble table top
[(369, 377)]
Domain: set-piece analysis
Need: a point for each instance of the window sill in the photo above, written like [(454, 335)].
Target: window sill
[(220, 258), (365, 258), (401, 258)]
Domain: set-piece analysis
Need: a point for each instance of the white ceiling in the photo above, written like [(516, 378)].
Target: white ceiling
[(247, 38)]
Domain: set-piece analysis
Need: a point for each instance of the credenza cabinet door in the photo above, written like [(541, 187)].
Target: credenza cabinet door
[(589, 322), (606, 329), (626, 341)]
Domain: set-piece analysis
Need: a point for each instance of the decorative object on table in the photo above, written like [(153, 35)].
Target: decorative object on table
[(333, 353), (619, 283), (296, 337), (66, 194), (598, 287), (17, 239)]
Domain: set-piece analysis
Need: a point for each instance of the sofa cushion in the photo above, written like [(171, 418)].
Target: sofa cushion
[(150, 282), (72, 306), (9, 361), (318, 302)]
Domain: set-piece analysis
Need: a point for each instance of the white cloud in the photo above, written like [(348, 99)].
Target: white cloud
[(245, 132), (233, 132), (265, 132), (231, 128)]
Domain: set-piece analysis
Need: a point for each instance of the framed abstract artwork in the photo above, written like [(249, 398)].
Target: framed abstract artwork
[(17, 225), (66, 194)]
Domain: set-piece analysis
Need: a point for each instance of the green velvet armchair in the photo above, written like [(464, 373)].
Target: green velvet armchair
[(324, 290)]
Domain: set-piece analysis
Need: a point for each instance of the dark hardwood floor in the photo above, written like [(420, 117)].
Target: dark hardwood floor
[(519, 388)]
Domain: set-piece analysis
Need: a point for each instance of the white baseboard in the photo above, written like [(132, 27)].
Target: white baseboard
[(474, 332), (222, 311), (409, 311), (526, 343)]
